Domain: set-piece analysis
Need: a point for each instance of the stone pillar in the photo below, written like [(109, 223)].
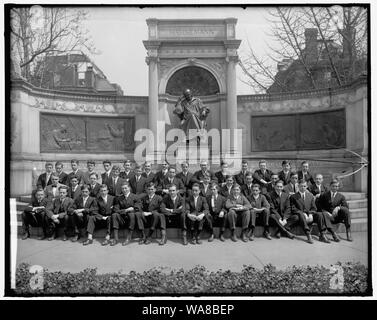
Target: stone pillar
[(231, 88), (153, 94)]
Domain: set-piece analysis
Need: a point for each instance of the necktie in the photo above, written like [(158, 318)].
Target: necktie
[(104, 200), (332, 196), (303, 196)]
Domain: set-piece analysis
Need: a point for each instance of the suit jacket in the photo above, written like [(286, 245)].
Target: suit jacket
[(63, 178), (281, 206), (283, 177), (206, 193), (105, 209), (240, 178), (79, 174), (220, 177), (42, 180), (201, 205), (104, 177), (289, 188), (232, 201), (178, 182), (314, 189), (167, 203), (85, 177), (246, 191), (308, 177), (90, 208), (259, 203), (94, 191), (45, 202), (149, 177), (116, 190), (299, 205), (74, 194), (224, 192), (122, 203), (127, 176), (326, 204), (258, 175), (186, 179), (49, 192), (199, 175), (61, 209), (159, 177), (153, 205), (138, 187), (219, 204)]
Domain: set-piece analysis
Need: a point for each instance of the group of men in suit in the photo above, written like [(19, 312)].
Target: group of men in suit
[(137, 198)]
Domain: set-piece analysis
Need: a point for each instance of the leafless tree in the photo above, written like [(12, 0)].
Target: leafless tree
[(37, 32)]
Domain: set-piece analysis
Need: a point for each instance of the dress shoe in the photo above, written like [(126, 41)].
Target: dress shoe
[(233, 237), (193, 241), (349, 237), (105, 242), (323, 238), (210, 239), (126, 242), (51, 238), (243, 237), (41, 237), (222, 238), (335, 237), (267, 235), (278, 235), (290, 235), (251, 236), (113, 242), (87, 242), (184, 240), (198, 241), (310, 239), (65, 238), (25, 236), (162, 241), (75, 238), (147, 241), (142, 241)]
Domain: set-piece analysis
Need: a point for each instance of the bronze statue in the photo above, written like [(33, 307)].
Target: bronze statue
[(191, 112)]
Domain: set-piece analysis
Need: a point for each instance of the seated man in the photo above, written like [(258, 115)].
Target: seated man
[(57, 215), (280, 211), (63, 177), (271, 186), (173, 208), (226, 191), (185, 175), (217, 212), (34, 214), (125, 208), (196, 210), (221, 175), (94, 186), (90, 164), (305, 174), (205, 188), (138, 182), (199, 175), (262, 176), (335, 209), (161, 174), (317, 189), (292, 187), (149, 215), (239, 209), (240, 178), (303, 205), (115, 182), (170, 179), (45, 178), (105, 203), (127, 174), (285, 174), (259, 212), (76, 172), (52, 190), (74, 191), (83, 207), (148, 174)]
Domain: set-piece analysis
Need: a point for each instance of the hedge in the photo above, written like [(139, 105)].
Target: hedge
[(250, 281)]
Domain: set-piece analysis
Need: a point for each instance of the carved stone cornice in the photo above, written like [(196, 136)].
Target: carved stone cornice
[(232, 58), (149, 59)]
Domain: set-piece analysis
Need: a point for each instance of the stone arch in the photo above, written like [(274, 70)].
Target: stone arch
[(191, 63)]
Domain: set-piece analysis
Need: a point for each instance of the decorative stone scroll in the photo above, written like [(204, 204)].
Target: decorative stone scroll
[(322, 130), (63, 133)]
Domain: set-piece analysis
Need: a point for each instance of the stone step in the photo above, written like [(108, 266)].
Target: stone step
[(354, 195), (21, 205), (357, 204), (359, 213)]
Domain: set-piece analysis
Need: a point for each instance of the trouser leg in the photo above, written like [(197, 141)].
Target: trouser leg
[(132, 217), (303, 223), (343, 216), (140, 219), (183, 221), (245, 219), (162, 220), (253, 218), (232, 218), (319, 219), (91, 224), (209, 222), (274, 220)]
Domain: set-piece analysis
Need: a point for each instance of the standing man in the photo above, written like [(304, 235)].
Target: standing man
[(305, 174), (170, 179), (239, 209), (221, 175), (335, 209), (63, 177), (90, 164), (76, 172), (240, 178), (285, 174), (186, 177), (94, 186), (107, 174), (138, 182), (45, 178), (217, 212), (115, 182), (58, 214), (162, 174), (149, 215), (74, 191), (205, 187), (34, 214), (196, 210), (127, 174), (303, 205), (148, 174), (292, 187), (226, 191), (52, 190), (274, 180), (317, 189), (173, 208), (105, 203), (262, 176), (199, 175), (125, 208)]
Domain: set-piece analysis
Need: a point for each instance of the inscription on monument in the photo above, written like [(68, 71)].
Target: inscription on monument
[(191, 32), (63, 133), (324, 130)]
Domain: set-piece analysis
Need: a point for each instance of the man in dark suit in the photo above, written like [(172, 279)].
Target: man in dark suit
[(125, 208), (221, 175), (34, 214), (259, 212), (63, 177), (162, 174), (90, 164), (205, 188), (226, 191), (105, 203), (173, 208), (217, 212), (148, 174), (292, 187), (199, 175), (335, 209), (107, 174), (238, 209), (150, 215), (280, 211), (83, 207), (247, 188), (303, 205), (170, 179), (271, 186), (58, 214), (76, 172), (74, 190), (52, 190), (127, 174), (262, 176), (45, 178), (305, 174), (196, 210), (317, 188), (240, 178), (138, 182), (186, 177), (94, 186), (115, 182), (285, 174)]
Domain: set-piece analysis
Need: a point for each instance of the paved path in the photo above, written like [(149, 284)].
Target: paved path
[(74, 257)]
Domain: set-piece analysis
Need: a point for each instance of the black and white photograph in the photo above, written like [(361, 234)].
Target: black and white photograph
[(180, 151)]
